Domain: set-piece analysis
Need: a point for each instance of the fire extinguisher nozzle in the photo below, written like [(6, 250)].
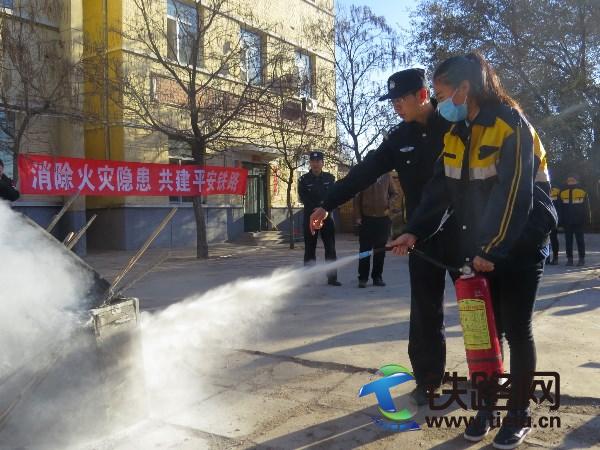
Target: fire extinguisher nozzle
[(365, 254), (466, 270)]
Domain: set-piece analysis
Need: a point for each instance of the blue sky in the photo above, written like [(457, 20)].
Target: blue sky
[(396, 12), (397, 15)]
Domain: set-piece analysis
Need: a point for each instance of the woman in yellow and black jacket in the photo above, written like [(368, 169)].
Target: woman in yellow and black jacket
[(493, 175)]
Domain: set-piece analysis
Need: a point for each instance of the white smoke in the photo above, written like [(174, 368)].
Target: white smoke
[(39, 290), (74, 404), (186, 341)]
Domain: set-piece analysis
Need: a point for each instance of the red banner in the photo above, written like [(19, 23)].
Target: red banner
[(47, 175)]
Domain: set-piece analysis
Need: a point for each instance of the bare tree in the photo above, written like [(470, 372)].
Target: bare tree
[(37, 71), (365, 47), (292, 126), (191, 73)]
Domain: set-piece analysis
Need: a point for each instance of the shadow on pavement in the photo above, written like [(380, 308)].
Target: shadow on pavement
[(588, 433), (385, 333), (355, 430)]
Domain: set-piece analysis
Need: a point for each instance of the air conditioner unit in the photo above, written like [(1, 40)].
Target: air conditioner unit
[(310, 104)]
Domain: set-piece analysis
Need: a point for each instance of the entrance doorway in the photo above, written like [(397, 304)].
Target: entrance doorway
[(255, 202)]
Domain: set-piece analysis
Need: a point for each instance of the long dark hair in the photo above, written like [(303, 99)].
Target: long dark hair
[(486, 87)]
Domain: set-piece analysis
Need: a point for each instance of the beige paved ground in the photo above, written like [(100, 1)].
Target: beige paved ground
[(294, 382)]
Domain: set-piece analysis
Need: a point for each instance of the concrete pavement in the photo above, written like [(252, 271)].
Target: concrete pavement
[(294, 384)]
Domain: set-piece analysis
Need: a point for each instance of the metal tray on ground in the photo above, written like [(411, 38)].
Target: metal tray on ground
[(120, 359)]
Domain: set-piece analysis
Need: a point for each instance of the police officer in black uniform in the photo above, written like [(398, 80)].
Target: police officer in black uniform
[(410, 148), (7, 188), (312, 188)]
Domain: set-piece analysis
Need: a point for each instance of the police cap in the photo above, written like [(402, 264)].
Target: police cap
[(403, 82), (315, 156)]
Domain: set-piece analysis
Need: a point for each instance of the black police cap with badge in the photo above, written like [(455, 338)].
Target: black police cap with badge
[(404, 82), (315, 156)]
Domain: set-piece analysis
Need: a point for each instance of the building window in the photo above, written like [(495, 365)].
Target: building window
[(304, 68), (251, 67), (182, 32), (7, 127), (303, 165), (8, 4), (180, 154)]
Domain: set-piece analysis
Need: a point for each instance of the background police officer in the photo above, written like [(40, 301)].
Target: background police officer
[(312, 188), (410, 148), (575, 213), (7, 189)]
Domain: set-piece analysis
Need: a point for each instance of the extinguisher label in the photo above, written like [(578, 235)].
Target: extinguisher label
[(473, 320)]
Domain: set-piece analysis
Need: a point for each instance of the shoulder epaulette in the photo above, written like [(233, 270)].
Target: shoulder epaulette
[(387, 134)]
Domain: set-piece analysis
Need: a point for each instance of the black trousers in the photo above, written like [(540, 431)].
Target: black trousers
[(374, 233), (554, 242), (514, 287), (576, 230), (426, 342), (310, 243)]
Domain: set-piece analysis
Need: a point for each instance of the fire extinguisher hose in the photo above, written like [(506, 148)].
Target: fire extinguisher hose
[(464, 270)]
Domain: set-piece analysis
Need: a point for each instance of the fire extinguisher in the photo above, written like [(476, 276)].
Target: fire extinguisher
[(476, 311), (479, 325)]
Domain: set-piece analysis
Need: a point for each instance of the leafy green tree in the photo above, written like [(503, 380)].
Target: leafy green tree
[(547, 53)]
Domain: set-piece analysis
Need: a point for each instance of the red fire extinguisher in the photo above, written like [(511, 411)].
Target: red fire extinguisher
[(476, 318), (479, 326)]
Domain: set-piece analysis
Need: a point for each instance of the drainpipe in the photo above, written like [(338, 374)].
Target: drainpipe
[(106, 91)]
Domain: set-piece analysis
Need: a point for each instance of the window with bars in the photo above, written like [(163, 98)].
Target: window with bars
[(7, 126), (182, 32), (303, 165), (180, 154), (305, 71), (251, 64)]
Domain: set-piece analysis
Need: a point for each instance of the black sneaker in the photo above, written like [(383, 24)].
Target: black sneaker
[(378, 282), (569, 262), (513, 430), (479, 427), (362, 283), (334, 283), (420, 396), (581, 262), (554, 261)]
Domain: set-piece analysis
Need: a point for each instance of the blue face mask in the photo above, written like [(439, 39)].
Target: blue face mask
[(452, 112)]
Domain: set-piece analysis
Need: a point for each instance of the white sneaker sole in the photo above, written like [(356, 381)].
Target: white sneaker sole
[(511, 446), (472, 438)]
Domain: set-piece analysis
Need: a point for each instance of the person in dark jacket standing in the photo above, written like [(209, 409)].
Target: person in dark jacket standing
[(575, 213), (7, 189), (371, 210), (312, 189), (493, 173), (555, 196), (411, 148)]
